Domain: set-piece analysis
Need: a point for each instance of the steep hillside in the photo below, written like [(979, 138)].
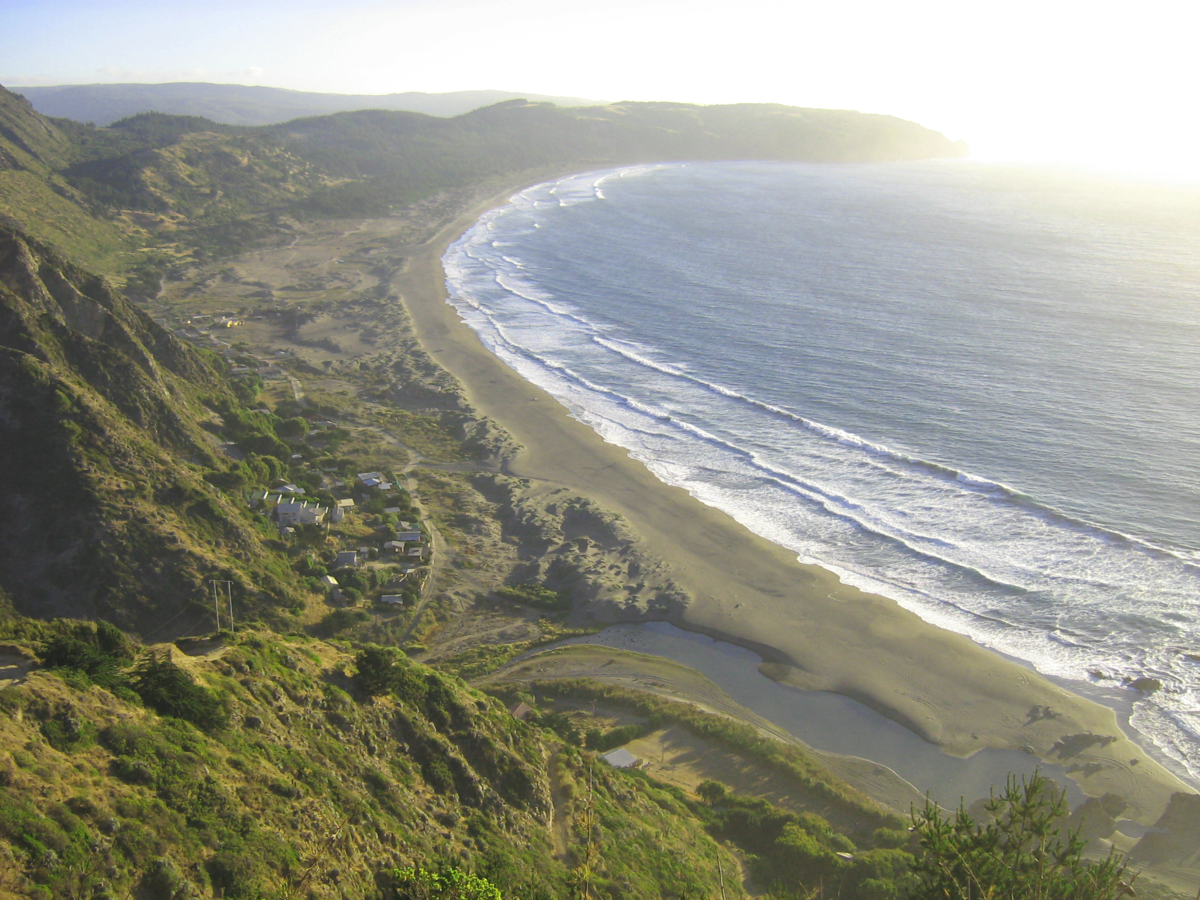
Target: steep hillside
[(105, 511), (310, 779), (36, 198)]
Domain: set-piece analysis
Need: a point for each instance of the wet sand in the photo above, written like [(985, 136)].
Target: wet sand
[(813, 631)]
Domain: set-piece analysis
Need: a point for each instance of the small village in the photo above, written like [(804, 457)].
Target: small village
[(390, 552)]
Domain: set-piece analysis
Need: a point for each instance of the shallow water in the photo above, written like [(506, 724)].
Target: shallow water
[(971, 388), (831, 722)]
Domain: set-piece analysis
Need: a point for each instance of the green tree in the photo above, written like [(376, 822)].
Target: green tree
[(379, 670), (170, 691), (450, 883), (1017, 855)]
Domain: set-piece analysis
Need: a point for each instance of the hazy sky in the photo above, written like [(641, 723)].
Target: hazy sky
[(1104, 84)]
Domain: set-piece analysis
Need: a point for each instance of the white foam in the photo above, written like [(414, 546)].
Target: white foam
[(956, 547)]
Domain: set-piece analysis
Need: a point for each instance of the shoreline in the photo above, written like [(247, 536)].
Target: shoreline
[(748, 591)]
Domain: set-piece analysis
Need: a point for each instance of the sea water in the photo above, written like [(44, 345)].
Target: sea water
[(972, 388)]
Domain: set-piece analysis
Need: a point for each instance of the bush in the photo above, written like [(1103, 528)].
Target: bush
[(1018, 855), (534, 595), (379, 670), (86, 654), (170, 691), (450, 883)]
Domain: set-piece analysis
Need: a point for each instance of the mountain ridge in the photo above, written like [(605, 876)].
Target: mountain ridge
[(236, 104)]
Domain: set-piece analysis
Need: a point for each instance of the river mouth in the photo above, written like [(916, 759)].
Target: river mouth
[(831, 722)]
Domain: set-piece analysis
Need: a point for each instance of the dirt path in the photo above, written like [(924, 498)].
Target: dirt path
[(560, 831), (437, 563), (14, 669)]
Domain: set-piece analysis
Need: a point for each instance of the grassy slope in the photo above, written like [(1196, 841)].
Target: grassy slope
[(311, 792), (36, 199), (105, 510)]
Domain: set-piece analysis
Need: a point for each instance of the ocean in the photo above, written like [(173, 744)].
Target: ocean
[(972, 388)]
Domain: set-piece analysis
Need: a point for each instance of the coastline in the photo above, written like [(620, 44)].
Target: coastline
[(815, 632)]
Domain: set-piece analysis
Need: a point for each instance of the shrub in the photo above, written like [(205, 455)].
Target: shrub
[(450, 883), (93, 653), (170, 691), (378, 670), (1018, 855)]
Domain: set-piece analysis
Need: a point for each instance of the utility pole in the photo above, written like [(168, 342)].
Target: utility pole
[(217, 601), (229, 594), (216, 605), (720, 872)]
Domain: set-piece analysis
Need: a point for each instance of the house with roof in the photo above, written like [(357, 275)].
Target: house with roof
[(373, 481), (522, 711), (347, 559), (340, 508), (621, 759), (300, 512), (407, 536)]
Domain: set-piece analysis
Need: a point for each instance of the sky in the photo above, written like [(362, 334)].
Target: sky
[(1102, 85)]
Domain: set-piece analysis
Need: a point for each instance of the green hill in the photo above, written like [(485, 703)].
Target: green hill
[(190, 185), (35, 196), (302, 784), (104, 509), (238, 104)]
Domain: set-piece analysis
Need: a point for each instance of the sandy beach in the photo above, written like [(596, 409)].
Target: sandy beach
[(815, 632)]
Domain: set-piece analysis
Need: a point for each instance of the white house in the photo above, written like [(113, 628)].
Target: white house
[(300, 512)]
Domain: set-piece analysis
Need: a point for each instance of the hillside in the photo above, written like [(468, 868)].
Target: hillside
[(237, 104), (35, 196), (306, 779), (192, 187), (103, 450)]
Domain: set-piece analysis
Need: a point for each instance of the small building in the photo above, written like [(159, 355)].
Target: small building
[(300, 512), (328, 582), (407, 536), (290, 489), (392, 510), (394, 546), (347, 559), (340, 508), (620, 759), (418, 551), (522, 711), (373, 481), (392, 599)]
